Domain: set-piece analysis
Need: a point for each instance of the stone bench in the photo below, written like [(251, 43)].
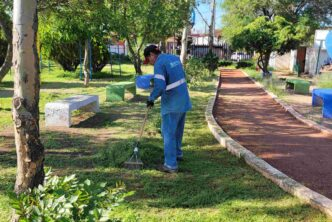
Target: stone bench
[(58, 113), (116, 91)]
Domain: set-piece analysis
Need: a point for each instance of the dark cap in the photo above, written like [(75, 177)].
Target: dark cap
[(151, 48)]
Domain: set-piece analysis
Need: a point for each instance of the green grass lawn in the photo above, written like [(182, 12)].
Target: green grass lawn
[(324, 80), (212, 185), (274, 84)]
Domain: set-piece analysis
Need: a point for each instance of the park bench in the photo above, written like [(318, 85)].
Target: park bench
[(116, 91), (58, 113), (298, 85), (323, 97)]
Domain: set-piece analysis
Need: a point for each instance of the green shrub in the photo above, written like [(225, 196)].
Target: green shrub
[(210, 61), (195, 71), (246, 64), (67, 199), (225, 63)]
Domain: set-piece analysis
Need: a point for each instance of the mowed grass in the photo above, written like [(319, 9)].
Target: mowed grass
[(212, 185)]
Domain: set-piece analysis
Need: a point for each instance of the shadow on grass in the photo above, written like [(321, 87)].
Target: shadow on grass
[(99, 120), (208, 177), (7, 84), (70, 85), (5, 109), (5, 93)]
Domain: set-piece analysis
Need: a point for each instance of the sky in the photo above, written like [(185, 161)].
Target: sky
[(204, 8)]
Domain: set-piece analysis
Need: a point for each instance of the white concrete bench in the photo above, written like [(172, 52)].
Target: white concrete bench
[(58, 113)]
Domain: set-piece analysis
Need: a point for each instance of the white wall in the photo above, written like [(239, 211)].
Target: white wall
[(312, 53), (311, 60), (320, 36), (204, 40), (284, 62)]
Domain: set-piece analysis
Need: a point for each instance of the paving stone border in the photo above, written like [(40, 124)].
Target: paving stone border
[(291, 110), (286, 183)]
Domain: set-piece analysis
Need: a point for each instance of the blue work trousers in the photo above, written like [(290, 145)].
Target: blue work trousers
[(172, 131)]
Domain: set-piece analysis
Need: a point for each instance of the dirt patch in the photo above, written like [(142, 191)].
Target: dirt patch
[(257, 122)]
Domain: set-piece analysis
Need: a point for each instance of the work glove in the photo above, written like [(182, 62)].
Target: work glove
[(149, 104)]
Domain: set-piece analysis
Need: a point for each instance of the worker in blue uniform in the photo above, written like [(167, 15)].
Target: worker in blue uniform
[(170, 84)]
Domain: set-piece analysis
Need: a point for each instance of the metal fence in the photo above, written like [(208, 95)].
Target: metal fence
[(223, 51)]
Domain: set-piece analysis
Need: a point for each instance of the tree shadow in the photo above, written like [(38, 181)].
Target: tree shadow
[(5, 93), (7, 84), (69, 85), (5, 109)]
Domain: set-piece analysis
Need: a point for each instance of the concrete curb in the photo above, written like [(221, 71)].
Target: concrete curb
[(289, 185), (291, 110)]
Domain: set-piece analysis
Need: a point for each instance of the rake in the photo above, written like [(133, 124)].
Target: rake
[(135, 162)]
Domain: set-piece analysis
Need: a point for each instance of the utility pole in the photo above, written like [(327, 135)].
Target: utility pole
[(212, 24)]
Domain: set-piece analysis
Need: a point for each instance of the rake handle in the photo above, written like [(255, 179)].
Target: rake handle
[(142, 128)]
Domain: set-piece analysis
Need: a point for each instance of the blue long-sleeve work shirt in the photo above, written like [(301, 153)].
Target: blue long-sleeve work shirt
[(170, 84)]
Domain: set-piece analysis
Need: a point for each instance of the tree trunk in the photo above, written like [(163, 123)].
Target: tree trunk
[(263, 63), (29, 149), (138, 65), (184, 44), (6, 66), (86, 68), (163, 45), (136, 57), (212, 26), (5, 25)]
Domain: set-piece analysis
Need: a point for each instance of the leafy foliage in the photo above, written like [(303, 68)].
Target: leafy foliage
[(196, 71), (225, 63), (246, 64), (211, 61), (67, 199), (265, 36), (62, 30), (143, 21), (270, 25), (3, 49)]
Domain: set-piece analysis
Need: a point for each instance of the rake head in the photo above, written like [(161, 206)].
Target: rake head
[(134, 163)]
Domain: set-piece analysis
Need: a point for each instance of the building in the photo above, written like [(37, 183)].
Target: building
[(317, 56), (305, 59)]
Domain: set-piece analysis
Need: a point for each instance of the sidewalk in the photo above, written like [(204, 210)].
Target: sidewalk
[(257, 122)]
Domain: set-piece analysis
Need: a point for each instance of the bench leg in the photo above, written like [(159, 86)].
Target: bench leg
[(289, 86), (57, 117)]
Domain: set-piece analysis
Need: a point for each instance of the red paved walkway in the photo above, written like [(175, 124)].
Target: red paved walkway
[(257, 122)]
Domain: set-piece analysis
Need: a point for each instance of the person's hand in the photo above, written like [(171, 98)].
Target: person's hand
[(149, 104)]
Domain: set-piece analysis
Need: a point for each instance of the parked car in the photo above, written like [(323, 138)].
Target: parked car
[(238, 56)]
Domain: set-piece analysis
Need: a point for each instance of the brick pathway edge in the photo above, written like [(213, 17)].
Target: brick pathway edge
[(290, 109), (289, 185)]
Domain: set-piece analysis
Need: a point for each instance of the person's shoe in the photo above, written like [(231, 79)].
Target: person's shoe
[(165, 169), (179, 158)]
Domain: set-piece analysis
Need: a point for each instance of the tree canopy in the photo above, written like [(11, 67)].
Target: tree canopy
[(267, 26)]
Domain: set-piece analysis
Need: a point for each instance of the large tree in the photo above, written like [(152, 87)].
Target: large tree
[(239, 13), (265, 36), (302, 14), (29, 149), (146, 21), (75, 23)]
